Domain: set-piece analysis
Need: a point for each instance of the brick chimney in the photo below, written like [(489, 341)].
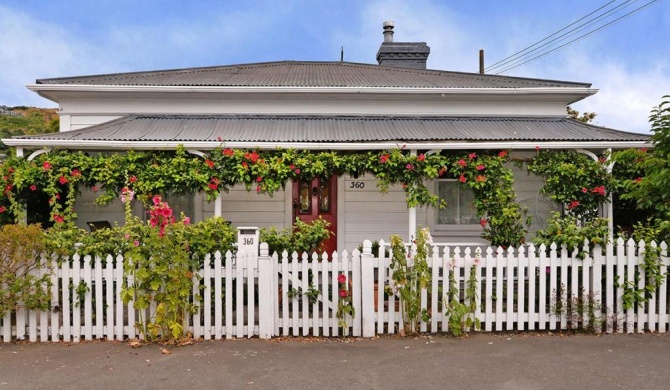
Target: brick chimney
[(401, 54)]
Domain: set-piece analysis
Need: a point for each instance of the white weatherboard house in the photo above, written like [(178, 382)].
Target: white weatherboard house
[(326, 106)]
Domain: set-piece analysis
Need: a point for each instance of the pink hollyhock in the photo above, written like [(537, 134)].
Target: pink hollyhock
[(259, 179), (343, 293), (258, 189), (157, 200), (341, 278), (136, 243), (58, 219), (187, 221)]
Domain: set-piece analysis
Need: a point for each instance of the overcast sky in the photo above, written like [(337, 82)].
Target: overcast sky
[(629, 61)]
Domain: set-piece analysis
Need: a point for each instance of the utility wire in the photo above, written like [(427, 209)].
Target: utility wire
[(501, 62), (578, 38)]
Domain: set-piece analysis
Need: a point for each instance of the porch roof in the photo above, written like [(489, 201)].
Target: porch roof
[(335, 132)]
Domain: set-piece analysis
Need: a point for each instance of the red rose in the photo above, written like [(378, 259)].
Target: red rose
[(344, 293), (341, 278)]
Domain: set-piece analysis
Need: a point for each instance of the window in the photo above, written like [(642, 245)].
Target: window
[(460, 207)]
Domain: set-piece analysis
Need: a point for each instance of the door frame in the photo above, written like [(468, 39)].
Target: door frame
[(288, 211)]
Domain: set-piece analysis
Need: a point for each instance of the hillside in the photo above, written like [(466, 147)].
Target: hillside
[(27, 120)]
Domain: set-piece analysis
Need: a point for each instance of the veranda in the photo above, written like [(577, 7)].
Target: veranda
[(280, 295)]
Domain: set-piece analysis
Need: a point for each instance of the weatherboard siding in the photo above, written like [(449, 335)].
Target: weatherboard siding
[(247, 208)]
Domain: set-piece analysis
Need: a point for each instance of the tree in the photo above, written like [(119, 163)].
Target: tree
[(650, 190), (586, 117)]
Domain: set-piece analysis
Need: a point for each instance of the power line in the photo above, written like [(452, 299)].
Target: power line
[(578, 38), (537, 43)]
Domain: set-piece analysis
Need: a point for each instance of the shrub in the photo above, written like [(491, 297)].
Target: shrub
[(302, 237), (20, 249), (569, 231)]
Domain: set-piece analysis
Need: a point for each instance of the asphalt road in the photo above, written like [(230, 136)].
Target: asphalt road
[(482, 361)]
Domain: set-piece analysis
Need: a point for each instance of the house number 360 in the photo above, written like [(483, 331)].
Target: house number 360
[(248, 241), (357, 184)]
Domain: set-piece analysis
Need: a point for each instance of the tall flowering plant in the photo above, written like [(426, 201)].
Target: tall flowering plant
[(410, 276), (161, 269), (344, 304)]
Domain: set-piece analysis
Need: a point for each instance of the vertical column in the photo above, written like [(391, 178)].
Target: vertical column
[(367, 290), (412, 212), (266, 292), (217, 205)]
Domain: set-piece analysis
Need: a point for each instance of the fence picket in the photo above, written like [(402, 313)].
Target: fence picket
[(521, 300), (76, 301), (229, 294), (500, 269), (642, 276), (304, 287), (565, 260), (88, 304), (218, 296), (119, 316), (284, 293), (488, 316), (44, 315), (334, 289), (65, 303), (621, 280), (239, 295), (512, 265), (99, 314), (356, 295), (662, 291), (109, 294), (596, 287), (630, 275), (532, 272), (651, 310)]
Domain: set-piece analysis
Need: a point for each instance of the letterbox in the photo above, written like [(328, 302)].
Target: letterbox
[(248, 241)]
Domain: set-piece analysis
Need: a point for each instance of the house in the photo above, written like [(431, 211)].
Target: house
[(326, 106)]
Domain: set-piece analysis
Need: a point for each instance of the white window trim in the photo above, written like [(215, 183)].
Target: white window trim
[(452, 229)]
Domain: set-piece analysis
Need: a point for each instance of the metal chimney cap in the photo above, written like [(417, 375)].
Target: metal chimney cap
[(388, 31)]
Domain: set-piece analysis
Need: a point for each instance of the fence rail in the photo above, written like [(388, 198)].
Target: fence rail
[(281, 295)]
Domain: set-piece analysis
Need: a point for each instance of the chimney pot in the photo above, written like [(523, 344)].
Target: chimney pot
[(388, 31)]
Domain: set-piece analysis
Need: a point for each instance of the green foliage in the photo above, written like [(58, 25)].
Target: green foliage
[(208, 236), (569, 231), (33, 121), (649, 189), (651, 232), (61, 174), (20, 249), (345, 306), (410, 278), (301, 237), (162, 271), (461, 316), (586, 117), (629, 173), (574, 180)]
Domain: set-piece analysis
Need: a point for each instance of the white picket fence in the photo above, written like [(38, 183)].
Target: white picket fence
[(266, 296)]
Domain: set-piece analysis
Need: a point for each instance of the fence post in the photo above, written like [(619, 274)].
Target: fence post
[(266, 292), (367, 290)]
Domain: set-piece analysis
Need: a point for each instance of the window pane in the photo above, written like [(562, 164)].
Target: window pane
[(305, 197), (324, 196), (467, 206), (460, 208), (449, 192)]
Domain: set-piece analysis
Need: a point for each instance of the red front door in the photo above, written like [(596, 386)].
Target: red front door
[(317, 198)]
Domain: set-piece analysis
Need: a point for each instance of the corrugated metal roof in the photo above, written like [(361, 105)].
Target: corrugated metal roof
[(311, 74), (263, 128)]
